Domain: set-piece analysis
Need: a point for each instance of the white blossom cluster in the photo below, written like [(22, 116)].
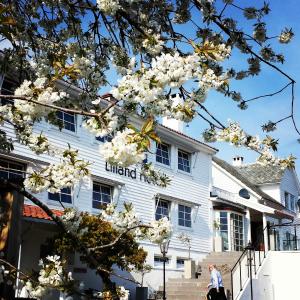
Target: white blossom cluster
[(155, 176), (122, 150), (153, 44), (57, 176), (159, 231), (85, 66), (40, 92), (104, 126), (156, 231), (183, 111), (210, 79), (121, 219), (72, 219), (167, 71), (51, 275), (38, 143), (236, 136), (110, 7), (285, 36)]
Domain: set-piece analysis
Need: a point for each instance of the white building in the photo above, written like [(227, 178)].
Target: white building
[(185, 201), (246, 198)]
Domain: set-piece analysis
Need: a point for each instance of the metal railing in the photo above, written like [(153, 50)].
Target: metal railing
[(245, 268), (280, 237)]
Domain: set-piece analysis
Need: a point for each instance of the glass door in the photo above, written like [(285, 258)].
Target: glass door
[(237, 232)]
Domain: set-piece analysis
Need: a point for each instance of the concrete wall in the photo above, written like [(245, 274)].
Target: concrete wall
[(277, 279)]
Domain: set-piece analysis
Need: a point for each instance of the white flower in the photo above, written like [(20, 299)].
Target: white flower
[(160, 230), (286, 36), (122, 150), (102, 127)]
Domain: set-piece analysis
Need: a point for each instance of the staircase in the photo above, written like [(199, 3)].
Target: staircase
[(196, 289)]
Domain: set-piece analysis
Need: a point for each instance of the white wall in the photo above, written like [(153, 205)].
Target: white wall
[(190, 189), (278, 278), (273, 190)]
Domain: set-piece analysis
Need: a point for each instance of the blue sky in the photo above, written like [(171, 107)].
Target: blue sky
[(283, 14)]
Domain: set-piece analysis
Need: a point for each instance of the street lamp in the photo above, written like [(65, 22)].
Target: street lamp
[(164, 246)]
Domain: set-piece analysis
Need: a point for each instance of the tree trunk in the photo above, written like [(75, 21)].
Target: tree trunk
[(109, 286)]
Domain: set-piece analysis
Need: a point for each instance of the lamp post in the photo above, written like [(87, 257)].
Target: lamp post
[(164, 246)]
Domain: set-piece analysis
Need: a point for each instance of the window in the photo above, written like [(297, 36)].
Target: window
[(7, 88), (11, 170), (184, 161), (286, 200), (292, 202), (162, 154), (289, 201), (162, 209), (104, 139), (237, 232), (180, 263), (159, 260), (184, 215), (224, 229), (64, 196), (67, 119), (102, 195)]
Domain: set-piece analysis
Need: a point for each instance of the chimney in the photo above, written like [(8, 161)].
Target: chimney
[(174, 124), (237, 161)]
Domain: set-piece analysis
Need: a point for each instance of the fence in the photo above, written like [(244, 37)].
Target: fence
[(282, 237)]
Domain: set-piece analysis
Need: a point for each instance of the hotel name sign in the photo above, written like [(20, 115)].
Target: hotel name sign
[(130, 173)]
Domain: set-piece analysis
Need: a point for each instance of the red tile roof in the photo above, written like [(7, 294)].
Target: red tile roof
[(33, 211)]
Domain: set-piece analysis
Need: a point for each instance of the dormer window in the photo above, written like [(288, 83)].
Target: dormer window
[(68, 120), (163, 153), (184, 163)]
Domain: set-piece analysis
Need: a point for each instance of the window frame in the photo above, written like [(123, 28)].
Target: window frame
[(60, 196), (185, 168), (180, 266), (4, 91), (159, 158), (11, 174), (104, 139), (64, 122), (158, 260), (289, 202), (185, 221), (157, 201), (102, 203)]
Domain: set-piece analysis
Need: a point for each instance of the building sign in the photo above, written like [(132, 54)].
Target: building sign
[(130, 173)]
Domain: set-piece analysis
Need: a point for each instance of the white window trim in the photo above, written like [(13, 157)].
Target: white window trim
[(156, 201), (169, 155), (160, 265), (113, 187), (58, 204), (181, 226), (190, 162)]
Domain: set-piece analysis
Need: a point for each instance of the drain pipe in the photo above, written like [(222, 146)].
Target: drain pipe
[(17, 292)]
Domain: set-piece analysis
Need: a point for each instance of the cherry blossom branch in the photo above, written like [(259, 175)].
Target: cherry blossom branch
[(119, 237), (86, 251), (269, 95), (68, 110)]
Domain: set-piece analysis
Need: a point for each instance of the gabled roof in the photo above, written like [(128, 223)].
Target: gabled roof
[(236, 173), (259, 174), (32, 211)]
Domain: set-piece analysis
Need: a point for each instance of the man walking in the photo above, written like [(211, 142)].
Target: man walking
[(216, 287)]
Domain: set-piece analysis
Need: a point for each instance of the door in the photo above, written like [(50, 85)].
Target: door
[(237, 231)]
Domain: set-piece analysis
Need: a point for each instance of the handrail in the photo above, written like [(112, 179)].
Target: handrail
[(251, 263), (269, 233), (234, 267), (245, 250)]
